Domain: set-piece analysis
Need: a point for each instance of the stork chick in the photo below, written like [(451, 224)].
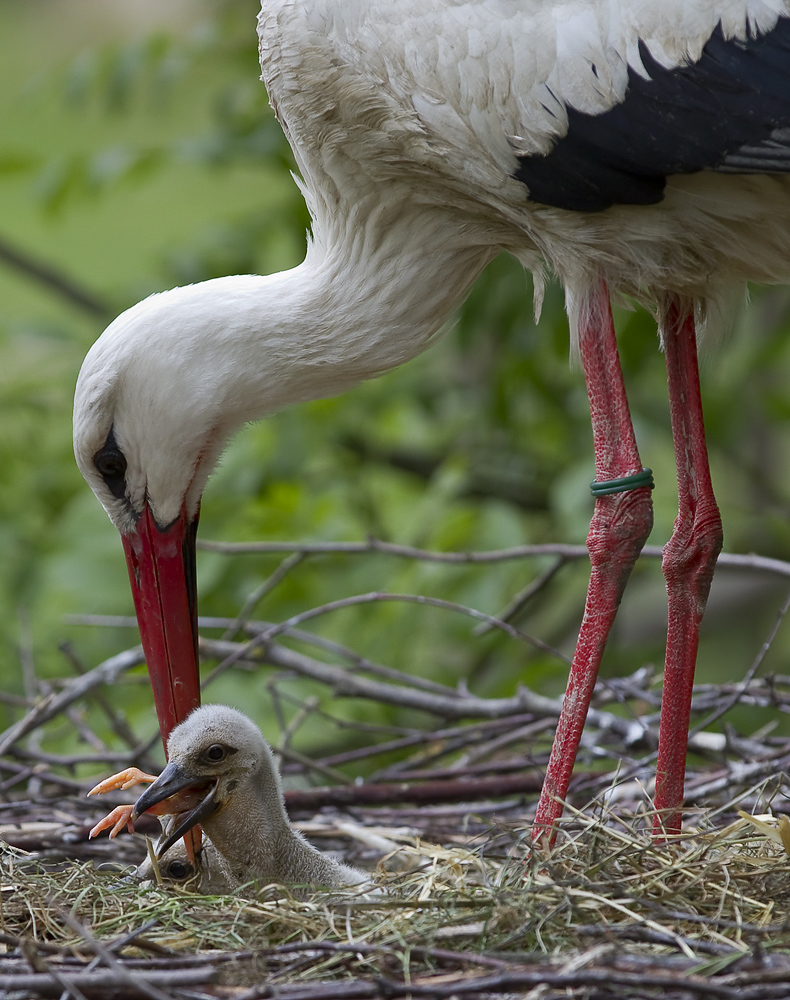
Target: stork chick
[(243, 812), (208, 873)]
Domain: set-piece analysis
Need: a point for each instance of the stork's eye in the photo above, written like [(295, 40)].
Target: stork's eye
[(110, 463), (216, 752), (179, 869)]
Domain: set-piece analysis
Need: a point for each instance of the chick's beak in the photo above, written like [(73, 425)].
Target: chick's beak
[(162, 572), (188, 822), (172, 780)]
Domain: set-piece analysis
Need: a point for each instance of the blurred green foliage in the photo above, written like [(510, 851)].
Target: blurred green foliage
[(136, 157)]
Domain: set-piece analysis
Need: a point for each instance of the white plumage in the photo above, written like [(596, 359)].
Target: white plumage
[(639, 147), (407, 119), (432, 104)]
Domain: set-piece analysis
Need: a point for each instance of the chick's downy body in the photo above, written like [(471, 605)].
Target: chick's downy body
[(221, 752)]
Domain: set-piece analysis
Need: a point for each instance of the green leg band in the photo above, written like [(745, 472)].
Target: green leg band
[(636, 482)]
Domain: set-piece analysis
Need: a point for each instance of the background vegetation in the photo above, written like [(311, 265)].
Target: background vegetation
[(138, 151)]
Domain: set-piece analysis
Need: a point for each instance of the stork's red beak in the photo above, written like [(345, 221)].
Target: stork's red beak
[(163, 576)]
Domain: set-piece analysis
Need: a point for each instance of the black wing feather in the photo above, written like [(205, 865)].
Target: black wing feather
[(727, 112)]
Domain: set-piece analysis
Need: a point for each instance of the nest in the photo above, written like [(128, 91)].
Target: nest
[(466, 910), (468, 906)]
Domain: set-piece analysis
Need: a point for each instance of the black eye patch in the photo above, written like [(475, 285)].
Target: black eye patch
[(111, 465)]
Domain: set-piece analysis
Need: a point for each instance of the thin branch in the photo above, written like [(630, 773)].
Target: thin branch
[(385, 948), (21, 772), (102, 983), (421, 737), (255, 628), (55, 280), (453, 705), (289, 754), (107, 672), (376, 597), (514, 982), (741, 688), (72, 760), (260, 592), (117, 721), (737, 772), (384, 793), (134, 980), (400, 551), (41, 966), (566, 552), (524, 596)]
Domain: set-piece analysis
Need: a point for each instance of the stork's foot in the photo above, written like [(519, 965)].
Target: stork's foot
[(122, 780), (120, 817)]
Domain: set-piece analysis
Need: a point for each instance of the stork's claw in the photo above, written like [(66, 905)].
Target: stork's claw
[(120, 817), (123, 779)]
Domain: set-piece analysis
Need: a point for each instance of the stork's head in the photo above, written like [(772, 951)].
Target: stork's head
[(157, 397)]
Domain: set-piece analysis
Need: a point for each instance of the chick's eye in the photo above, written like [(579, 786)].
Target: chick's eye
[(179, 869), (216, 752)]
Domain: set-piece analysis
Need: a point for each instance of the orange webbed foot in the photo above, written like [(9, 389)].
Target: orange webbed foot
[(123, 779), (120, 817)]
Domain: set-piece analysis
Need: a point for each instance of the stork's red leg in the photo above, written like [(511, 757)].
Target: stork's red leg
[(689, 560), (620, 525)]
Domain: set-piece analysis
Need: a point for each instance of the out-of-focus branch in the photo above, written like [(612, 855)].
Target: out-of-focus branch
[(453, 790), (53, 279), (453, 705), (53, 704)]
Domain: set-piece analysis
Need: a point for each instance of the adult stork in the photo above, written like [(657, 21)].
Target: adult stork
[(628, 146)]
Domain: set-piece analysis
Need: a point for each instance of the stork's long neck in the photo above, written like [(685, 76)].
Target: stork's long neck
[(372, 291)]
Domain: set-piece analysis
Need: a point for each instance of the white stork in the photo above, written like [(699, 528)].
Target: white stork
[(627, 146)]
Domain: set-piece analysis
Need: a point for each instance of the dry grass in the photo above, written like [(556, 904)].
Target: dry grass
[(606, 905)]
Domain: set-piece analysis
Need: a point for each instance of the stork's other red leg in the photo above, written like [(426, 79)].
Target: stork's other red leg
[(689, 559), (620, 525)]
